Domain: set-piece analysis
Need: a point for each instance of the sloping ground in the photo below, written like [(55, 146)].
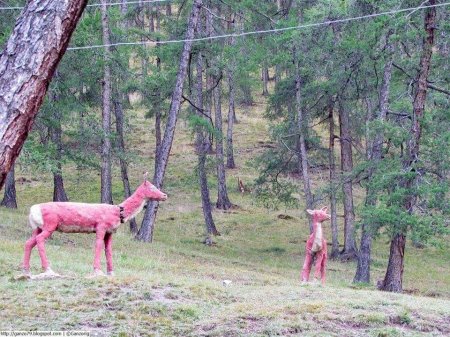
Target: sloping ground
[(174, 287), (176, 290)]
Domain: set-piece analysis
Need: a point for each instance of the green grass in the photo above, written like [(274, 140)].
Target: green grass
[(173, 287)]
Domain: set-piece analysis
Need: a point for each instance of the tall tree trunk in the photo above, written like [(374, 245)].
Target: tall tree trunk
[(301, 144), (223, 202), (265, 80), (393, 280), (230, 122), (146, 231), (151, 18), (333, 180), (34, 49), (118, 111), (202, 146), (55, 131), (118, 100), (9, 198), (349, 251), (204, 190), (210, 80), (202, 141), (374, 155), (59, 193), (106, 179), (158, 115), (141, 16), (123, 12), (231, 104)]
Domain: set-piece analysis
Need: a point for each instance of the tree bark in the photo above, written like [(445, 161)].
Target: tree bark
[(374, 155), (39, 40), (118, 111), (333, 180), (59, 193), (9, 198), (349, 251), (223, 202), (106, 179), (301, 143), (147, 227), (393, 280), (202, 146), (158, 115), (231, 105), (202, 141), (265, 80), (394, 274)]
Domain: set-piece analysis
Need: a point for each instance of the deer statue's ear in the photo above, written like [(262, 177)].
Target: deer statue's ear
[(145, 176), (310, 212), (324, 208)]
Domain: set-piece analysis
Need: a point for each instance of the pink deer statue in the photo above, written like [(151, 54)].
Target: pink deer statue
[(316, 245), (71, 217)]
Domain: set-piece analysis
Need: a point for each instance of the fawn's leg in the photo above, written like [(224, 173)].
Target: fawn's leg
[(319, 260), (307, 265), (108, 253), (324, 262)]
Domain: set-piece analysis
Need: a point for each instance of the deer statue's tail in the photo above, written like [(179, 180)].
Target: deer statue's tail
[(35, 219)]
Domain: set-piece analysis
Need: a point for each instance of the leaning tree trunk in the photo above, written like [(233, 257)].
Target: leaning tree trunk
[(301, 145), (349, 251), (39, 40), (106, 179), (9, 198), (393, 280), (147, 227), (223, 202), (374, 156), (332, 164)]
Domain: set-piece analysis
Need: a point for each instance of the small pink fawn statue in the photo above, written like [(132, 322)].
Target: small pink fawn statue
[(316, 245), (72, 217)]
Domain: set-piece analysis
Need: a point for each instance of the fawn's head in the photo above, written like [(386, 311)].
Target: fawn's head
[(319, 214)]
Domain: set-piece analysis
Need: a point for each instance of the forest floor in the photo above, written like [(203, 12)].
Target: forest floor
[(174, 286)]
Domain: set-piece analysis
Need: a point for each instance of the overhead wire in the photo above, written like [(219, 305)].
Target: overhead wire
[(99, 4), (239, 34), (308, 25)]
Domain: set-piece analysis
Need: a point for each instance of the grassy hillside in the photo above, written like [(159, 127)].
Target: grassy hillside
[(173, 287)]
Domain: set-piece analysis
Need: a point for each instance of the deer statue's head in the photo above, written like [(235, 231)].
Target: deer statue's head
[(319, 215), (151, 192)]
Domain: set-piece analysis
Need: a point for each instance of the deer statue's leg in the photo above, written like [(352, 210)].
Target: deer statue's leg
[(29, 245), (319, 260), (108, 253), (324, 262), (40, 242), (307, 265), (99, 241)]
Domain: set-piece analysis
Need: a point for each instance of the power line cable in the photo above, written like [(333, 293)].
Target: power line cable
[(99, 4), (309, 25)]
